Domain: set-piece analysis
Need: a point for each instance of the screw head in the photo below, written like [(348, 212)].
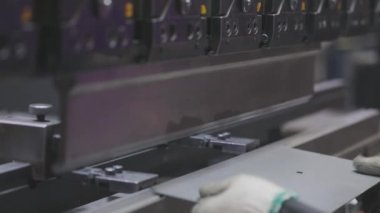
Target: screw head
[(118, 168), (109, 171)]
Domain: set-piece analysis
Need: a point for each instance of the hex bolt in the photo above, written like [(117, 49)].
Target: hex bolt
[(118, 168), (40, 111), (109, 171)]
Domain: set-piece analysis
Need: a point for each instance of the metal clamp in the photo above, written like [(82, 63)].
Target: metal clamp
[(116, 179), (225, 142), (29, 138)]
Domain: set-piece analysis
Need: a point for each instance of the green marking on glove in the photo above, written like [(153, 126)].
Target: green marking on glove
[(280, 199)]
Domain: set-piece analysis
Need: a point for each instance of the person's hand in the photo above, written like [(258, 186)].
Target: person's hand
[(241, 194), (367, 165)]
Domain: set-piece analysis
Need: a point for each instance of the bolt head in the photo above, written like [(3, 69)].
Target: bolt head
[(40, 109), (118, 168), (109, 171)]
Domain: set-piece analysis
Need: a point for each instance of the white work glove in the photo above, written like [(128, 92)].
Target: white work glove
[(241, 194), (367, 165)]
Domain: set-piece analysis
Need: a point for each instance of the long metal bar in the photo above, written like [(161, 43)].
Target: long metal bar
[(112, 114)]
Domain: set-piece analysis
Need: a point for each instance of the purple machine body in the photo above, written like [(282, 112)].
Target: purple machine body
[(18, 37), (94, 33)]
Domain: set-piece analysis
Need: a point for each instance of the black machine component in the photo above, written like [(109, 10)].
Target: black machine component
[(357, 18), (284, 22), (235, 25), (86, 33), (366, 86), (18, 38), (324, 19), (48, 35), (173, 28)]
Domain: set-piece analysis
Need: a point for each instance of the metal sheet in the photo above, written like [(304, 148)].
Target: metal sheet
[(119, 203), (112, 113), (325, 182), (328, 132)]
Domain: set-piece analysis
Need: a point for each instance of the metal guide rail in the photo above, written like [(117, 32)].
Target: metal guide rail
[(45, 36)]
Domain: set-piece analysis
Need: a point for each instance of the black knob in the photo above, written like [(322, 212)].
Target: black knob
[(40, 110)]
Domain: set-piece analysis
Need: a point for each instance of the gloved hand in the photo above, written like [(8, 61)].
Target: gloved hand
[(241, 194), (367, 165)]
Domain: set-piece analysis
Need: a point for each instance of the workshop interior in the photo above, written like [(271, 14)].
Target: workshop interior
[(133, 105)]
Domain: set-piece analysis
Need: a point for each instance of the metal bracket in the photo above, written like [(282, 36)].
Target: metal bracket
[(116, 179), (225, 142), (27, 138)]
